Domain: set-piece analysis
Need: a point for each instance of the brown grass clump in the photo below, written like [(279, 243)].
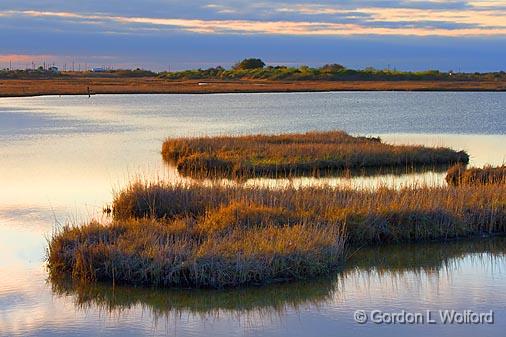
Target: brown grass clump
[(296, 154), (239, 214), (384, 215), (460, 175), (177, 253), (254, 302), (216, 236)]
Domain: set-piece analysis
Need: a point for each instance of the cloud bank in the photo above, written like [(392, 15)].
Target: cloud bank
[(430, 18), (131, 31)]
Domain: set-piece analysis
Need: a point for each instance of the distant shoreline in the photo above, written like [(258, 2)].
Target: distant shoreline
[(151, 85)]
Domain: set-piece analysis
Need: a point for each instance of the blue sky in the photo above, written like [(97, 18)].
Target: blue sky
[(158, 34)]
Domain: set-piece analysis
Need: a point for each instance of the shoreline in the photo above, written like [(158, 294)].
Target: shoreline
[(79, 86)]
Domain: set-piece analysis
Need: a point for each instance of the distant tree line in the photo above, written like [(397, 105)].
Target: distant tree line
[(256, 69), (43, 73)]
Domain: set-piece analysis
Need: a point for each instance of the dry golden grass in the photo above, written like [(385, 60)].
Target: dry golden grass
[(216, 236), (176, 253), (383, 215), (296, 154), (148, 85), (398, 260), (460, 175)]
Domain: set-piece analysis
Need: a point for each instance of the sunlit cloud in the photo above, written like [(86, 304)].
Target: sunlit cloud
[(488, 4), (27, 61), (482, 23), (414, 34), (220, 9), (23, 58), (479, 18)]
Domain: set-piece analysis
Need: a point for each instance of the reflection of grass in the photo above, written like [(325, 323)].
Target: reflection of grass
[(217, 236), (297, 154), (421, 257), (386, 260), (460, 175), (348, 173), (266, 299)]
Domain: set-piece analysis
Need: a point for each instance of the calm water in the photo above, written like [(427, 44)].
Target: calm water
[(61, 158)]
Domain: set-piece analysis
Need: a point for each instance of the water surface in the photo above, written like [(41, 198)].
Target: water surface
[(61, 159)]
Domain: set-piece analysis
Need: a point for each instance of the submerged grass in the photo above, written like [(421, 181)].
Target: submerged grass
[(224, 236), (460, 175), (297, 154)]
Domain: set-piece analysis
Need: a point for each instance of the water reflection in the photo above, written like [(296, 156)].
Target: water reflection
[(317, 174), (50, 157), (258, 301), (366, 267), (424, 258), (365, 178), (61, 158)]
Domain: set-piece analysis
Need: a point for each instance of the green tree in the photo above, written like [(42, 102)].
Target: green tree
[(332, 68), (250, 63)]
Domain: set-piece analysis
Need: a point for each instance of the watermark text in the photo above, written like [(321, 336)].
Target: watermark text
[(446, 316)]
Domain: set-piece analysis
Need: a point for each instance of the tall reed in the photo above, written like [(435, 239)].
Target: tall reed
[(406, 214), (460, 175), (223, 236), (296, 154)]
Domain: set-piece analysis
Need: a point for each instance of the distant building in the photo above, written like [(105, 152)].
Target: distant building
[(54, 70), (98, 70)]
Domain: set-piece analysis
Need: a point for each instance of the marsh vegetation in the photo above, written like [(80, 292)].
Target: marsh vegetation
[(220, 236), (298, 154), (461, 175), (394, 261)]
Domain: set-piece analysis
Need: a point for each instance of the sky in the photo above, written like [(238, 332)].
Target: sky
[(173, 34)]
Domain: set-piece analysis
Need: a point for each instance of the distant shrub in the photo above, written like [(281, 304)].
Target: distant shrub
[(251, 63), (255, 69), (332, 68)]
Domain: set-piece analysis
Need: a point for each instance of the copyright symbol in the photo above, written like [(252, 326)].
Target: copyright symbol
[(360, 317)]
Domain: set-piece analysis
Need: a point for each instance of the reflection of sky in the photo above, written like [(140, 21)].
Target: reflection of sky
[(475, 282), (79, 151), (110, 139)]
